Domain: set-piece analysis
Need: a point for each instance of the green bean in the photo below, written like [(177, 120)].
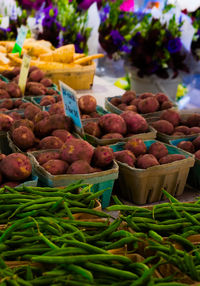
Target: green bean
[(170, 197), (186, 243), (146, 276), (188, 259), (80, 258), (127, 208), (65, 251), (131, 223), (171, 284), (111, 271), (68, 211), (89, 211), (191, 218), (123, 241), (22, 251), (84, 223), (120, 233), (155, 236), (80, 271)]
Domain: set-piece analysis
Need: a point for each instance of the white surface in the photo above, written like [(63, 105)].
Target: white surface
[(101, 89)]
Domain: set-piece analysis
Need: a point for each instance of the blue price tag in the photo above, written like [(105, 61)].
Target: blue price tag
[(71, 105)]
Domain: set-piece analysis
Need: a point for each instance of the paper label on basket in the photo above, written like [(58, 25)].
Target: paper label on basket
[(71, 106), (20, 39), (24, 73)]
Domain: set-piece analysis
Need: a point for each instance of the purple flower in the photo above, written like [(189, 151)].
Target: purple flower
[(126, 49), (85, 4), (50, 16), (104, 13), (174, 45), (117, 37)]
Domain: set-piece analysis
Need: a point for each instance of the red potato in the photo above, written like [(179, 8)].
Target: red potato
[(4, 94), (158, 149), (44, 157), (135, 122), (178, 133), (95, 170), (163, 126), (22, 122), (146, 95), (128, 96), (3, 109), (193, 120), (2, 156), (125, 156), (16, 167), (47, 100), (8, 74), (7, 103), (23, 137), (113, 123), (85, 116), (135, 102), (18, 102), (80, 167), (36, 75), (30, 111), (112, 136), (196, 143), (2, 84), (16, 71), (56, 167), (24, 105), (61, 121), (172, 116), (95, 114), (103, 156), (62, 134), (50, 142), (51, 91), (77, 149), (38, 85), (6, 122), (10, 184), (43, 127), (115, 101), (47, 82), (166, 105), (171, 158), (57, 108), (32, 68), (93, 129), (136, 146), (197, 154), (35, 90), (16, 79), (146, 161), (122, 106), (40, 116), (148, 105), (194, 130), (13, 90), (87, 103), (187, 146), (182, 128), (161, 97)]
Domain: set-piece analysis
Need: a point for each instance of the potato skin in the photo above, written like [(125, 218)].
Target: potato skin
[(122, 106), (41, 115), (135, 102), (112, 123), (6, 122), (87, 103), (112, 136), (13, 90), (163, 126), (166, 105), (135, 122), (62, 134), (56, 167), (4, 94), (146, 161), (50, 142), (182, 128), (103, 156), (172, 116), (171, 158), (79, 167), (146, 95), (77, 149), (193, 120), (61, 121), (136, 146), (161, 97), (23, 137), (197, 154), (158, 149), (7, 103), (46, 82), (30, 111), (128, 96), (196, 143), (148, 105), (44, 157), (16, 167), (187, 146), (131, 108), (57, 108), (125, 156), (36, 75), (115, 101), (93, 129), (47, 100), (194, 130)]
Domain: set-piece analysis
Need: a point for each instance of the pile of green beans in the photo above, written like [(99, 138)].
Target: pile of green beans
[(25, 201)]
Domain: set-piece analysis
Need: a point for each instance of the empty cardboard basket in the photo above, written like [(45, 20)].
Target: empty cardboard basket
[(100, 180), (143, 186)]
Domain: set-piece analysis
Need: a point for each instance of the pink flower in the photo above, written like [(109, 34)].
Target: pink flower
[(127, 6)]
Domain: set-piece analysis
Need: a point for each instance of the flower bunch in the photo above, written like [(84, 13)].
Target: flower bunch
[(115, 28), (195, 47), (156, 45)]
